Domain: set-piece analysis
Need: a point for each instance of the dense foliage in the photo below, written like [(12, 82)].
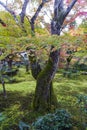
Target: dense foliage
[(60, 120)]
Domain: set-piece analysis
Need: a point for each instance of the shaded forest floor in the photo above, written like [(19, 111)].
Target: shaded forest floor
[(21, 93)]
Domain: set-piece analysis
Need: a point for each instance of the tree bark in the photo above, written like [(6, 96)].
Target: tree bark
[(34, 64), (45, 98), (55, 27), (35, 68)]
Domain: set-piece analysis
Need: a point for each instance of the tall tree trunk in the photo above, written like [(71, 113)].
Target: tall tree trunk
[(44, 97)]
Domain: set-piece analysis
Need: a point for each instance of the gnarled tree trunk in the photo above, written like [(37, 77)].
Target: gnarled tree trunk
[(44, 97), (44, 94)]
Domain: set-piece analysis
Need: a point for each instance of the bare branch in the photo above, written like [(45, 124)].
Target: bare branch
[(37, 12), (22, 14), (32, 21), (69, 8), (10, 11)]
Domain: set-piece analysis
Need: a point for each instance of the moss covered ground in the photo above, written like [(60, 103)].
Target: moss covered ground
[(21, 93)]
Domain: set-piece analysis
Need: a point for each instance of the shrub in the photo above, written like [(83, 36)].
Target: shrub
[(60, 120)]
